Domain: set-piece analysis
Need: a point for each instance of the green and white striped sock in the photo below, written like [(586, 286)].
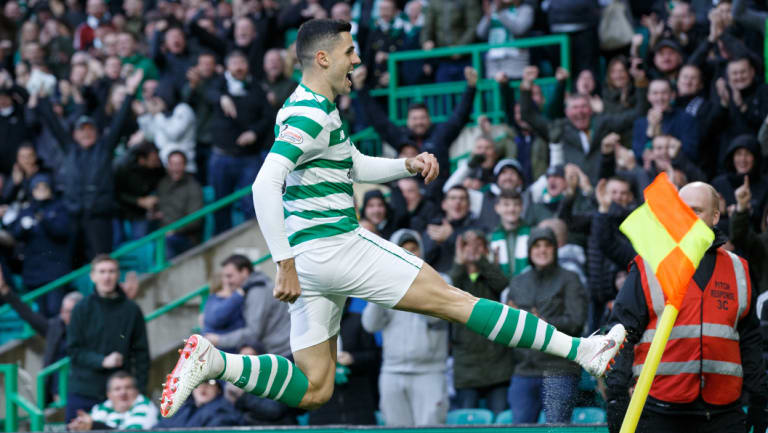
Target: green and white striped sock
[(517, 328), (270, 376)]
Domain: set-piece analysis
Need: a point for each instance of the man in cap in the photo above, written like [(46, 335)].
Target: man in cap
[(87, 178)]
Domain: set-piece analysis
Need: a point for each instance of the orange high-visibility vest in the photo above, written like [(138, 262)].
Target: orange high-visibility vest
[(702, 354)]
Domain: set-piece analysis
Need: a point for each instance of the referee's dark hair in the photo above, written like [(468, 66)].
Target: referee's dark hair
[(318, 34)]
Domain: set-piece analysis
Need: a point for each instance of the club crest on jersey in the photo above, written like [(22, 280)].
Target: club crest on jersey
[(290, 136)]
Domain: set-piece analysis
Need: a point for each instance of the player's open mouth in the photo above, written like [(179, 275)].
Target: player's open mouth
[(349, 78)]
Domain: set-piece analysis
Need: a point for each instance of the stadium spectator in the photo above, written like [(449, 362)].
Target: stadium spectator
[(88, 182), (276, 84), (169, 52), (124, 409), (481, 369), (410, 209), (257, 410), (136, 179), (476, 173), (223, 310), (570, 257), (663, 118), (509, 241), (376, 210), (206, 408), (241, 124), (42, 231), (581, 131), (266, 318), (169, 125), (440, 236), (419, 129), (27, 165), (119, 342), (667, 60), (178, 195), (53, 329), (504, 21), (386, 35), (449, 23), (85, 34), (200, 79), (127, 49), (579, 20), (12, 120), (412, 381), (743, 161), (555, 294)]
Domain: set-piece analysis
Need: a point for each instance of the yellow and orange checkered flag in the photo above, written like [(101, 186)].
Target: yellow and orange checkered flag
[(668, 235)]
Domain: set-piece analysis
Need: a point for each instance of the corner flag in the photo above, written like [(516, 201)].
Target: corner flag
[(672, 239)]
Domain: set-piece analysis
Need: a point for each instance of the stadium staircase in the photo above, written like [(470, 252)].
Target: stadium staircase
[(172, 292)]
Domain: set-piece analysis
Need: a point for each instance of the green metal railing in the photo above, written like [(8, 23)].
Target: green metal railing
[(14, 401), (399, 97), (61, 367)]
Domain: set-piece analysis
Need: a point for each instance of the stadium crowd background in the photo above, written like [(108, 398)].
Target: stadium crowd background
[(113, 115)]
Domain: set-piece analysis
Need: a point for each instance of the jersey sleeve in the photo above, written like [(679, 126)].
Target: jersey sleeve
[(300, 136)]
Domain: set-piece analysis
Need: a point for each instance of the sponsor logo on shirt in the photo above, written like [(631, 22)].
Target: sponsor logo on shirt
[(290, 136)]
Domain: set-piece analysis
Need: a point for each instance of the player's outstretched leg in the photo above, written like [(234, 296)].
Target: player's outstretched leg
[(270, 376), (429, 294)]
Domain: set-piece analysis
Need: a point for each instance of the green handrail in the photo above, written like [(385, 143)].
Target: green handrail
[(13, 401), (158, 236), (62, 366)]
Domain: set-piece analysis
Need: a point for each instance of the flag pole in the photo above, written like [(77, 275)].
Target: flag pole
[(640, 394)]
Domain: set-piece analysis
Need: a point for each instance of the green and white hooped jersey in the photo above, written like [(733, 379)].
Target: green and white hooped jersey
[(317, 195), (498, 34)]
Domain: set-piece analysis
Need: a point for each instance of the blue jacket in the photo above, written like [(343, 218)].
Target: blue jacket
[(45, 249), (217, 413), (223, 315), (675, 122)]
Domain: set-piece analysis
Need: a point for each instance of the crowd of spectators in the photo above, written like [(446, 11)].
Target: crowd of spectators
[(114, 115)]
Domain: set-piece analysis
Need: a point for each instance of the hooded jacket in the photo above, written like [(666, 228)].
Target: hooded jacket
[(412, 343), (386, 227), (727, 183), (266, 319), (559, 298)]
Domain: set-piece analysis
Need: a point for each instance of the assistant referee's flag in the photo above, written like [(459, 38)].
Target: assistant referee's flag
[(668, 235)]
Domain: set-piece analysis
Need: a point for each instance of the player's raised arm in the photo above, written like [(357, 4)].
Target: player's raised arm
[(369, 169)]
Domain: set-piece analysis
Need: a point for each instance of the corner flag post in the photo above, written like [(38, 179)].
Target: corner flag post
[(669, 236)]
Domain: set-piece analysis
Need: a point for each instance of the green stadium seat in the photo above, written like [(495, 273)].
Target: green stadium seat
[(469, 417), (380, 418), (506, 417), (588, 415)]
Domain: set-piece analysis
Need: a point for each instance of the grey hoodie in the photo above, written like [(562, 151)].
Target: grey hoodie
[(413, 343), (266, 319)]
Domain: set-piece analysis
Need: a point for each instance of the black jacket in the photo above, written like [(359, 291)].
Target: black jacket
[(53, 330), (45, 244), (219, 412), (631, 310), (100, 326), (132, 181), (440, 255), (254, 113), (437, 139), (87, 173), (13, 130)]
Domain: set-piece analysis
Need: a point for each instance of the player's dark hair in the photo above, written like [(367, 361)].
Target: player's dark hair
[(315, 35), (239, 261)]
